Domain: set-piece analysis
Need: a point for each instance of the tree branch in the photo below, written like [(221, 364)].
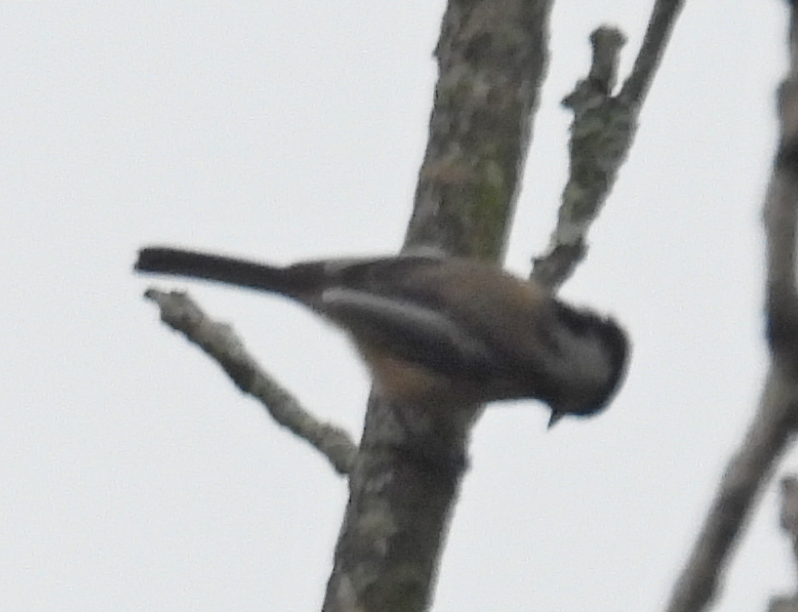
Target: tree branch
[(491, 58), (774, 424), (602, 133), (219, 341), (747, 473), (788, 521), (660, 26)]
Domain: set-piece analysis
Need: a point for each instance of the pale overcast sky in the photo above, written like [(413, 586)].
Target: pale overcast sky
[(136, 477)]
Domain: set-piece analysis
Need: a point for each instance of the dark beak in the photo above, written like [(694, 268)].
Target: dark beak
[(555, 416)]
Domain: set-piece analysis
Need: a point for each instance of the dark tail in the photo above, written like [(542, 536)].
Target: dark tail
[(295, 281)]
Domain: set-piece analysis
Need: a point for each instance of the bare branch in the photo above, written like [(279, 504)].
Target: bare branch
[(783, 604), (602, 133), (788, 515), (491, 58), (219, 341), (746, 475), (788, 520), (660, 26), (774, 424)]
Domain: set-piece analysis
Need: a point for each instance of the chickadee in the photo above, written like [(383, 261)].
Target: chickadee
[(440, 330)]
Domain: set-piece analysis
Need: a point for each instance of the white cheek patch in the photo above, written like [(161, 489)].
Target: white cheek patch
[(583, 361)]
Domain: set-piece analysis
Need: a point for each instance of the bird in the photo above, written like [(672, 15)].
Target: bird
[(438, 330)]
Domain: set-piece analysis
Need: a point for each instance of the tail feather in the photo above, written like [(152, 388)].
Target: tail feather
[(292, 281)]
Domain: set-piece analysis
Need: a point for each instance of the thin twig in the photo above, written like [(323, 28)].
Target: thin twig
[(660, 25), (746, 475), (788, 521), (602, 133), (219, 341)]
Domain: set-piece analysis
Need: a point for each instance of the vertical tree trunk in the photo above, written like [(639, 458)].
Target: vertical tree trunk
[(492, 57)]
